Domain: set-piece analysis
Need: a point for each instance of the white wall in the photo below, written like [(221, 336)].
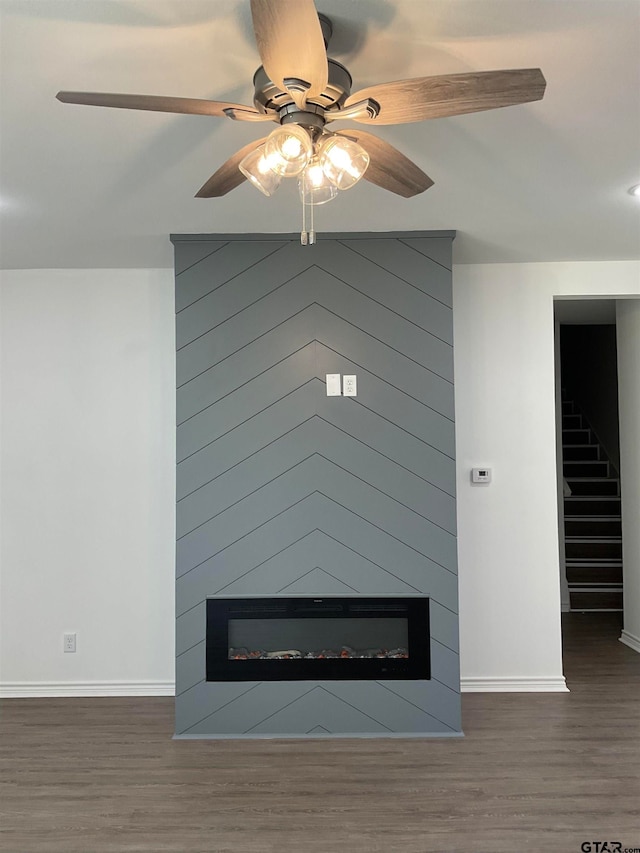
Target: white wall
[(628, 345), (87, 463), (505, 419)]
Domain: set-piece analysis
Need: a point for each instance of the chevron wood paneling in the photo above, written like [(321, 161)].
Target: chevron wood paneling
[(282, 490)]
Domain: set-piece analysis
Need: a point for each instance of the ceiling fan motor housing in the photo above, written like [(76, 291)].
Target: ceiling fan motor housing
[(269, 97)]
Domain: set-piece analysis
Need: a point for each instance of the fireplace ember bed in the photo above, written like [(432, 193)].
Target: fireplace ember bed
[(313, 638)]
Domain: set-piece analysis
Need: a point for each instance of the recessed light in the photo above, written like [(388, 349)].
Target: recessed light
[(634, 191)]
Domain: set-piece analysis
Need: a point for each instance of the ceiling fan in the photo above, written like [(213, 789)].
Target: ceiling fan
[(303, 91)]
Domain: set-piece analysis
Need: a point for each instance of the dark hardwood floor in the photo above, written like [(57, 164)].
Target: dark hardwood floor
[(535, 772)]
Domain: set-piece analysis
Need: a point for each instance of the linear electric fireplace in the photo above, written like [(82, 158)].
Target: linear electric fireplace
[(317, 638)]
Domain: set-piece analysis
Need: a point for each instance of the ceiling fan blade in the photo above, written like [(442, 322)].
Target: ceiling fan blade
[(388, 167), (450, 95), (228, 176), (291, 46), (162, 104)]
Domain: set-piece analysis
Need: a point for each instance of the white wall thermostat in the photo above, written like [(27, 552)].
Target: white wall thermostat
[(481, 475)]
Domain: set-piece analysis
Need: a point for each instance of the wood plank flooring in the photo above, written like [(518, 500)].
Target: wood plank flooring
[(535, 772)]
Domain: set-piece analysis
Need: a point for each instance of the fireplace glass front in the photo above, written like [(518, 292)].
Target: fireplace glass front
[(275, 639)]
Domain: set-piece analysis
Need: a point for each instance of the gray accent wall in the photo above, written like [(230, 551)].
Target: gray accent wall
[(282, 490)]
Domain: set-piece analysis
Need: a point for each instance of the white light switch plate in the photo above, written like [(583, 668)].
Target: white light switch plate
[(333, 385), (349, 385)]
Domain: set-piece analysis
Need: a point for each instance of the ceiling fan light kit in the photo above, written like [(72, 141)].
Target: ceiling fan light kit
[(325, 163), (344, 162), (302, 90), (257, 169), (288, 149), (314, 185)]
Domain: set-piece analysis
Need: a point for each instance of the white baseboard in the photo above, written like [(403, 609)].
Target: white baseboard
[(60, 689), (630, 640), (79, 689), (515, 684)]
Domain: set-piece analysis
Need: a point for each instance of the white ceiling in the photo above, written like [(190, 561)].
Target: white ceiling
[(92, 187)]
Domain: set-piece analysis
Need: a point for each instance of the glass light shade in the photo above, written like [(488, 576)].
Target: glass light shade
[(257, 169), (314, 186), (343, 161), (288, 150)]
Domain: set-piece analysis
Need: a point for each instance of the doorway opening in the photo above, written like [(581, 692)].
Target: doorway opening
[(590, 455), (588, 452)]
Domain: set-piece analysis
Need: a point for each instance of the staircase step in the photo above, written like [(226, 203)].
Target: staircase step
[(585, 548), (585, 573), (594, 486), (576, 436), (592, 524), (571, 421), (591, 505), (597, 526), (581, 452), (596, 599), (586, 469), (588, 525)]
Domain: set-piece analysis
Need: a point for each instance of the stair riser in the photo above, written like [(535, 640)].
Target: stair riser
[(581, 453), (586, 469), (599, 488), (576, 436), (591, 507), (596, 600), (571, 421), (592, 527), (585, 574), (593, 550)]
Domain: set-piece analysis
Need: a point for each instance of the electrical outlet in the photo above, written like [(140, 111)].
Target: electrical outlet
[(69, 642), (349, 385)]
